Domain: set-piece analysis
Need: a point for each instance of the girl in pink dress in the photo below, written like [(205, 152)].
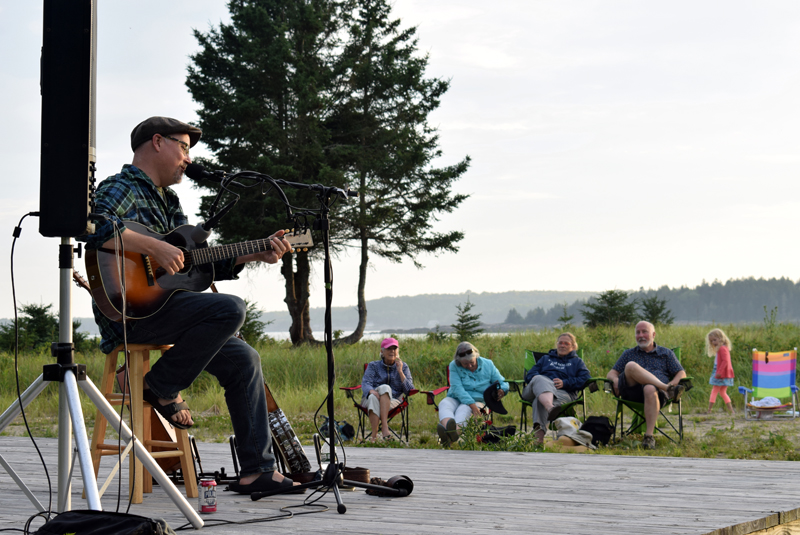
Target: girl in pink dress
[(719, 346)]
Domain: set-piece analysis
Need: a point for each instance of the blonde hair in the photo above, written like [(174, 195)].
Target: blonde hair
[(723, 341), (571, 339), (464, 346)]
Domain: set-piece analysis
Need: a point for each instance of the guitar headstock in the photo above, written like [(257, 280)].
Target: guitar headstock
[(299, 239), (80, 282)]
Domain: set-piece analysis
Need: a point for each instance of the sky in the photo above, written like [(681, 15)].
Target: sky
[(614, 144)]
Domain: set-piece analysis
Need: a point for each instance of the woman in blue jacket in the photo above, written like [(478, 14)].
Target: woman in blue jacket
[(557, 378), (470, 375)]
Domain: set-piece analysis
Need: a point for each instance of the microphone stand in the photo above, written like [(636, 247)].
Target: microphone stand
[(333, 473)]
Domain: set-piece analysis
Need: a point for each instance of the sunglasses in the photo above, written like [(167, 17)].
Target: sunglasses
[(465, 353)]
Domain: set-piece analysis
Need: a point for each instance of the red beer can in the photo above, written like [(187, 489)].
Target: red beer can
[(207, 496)]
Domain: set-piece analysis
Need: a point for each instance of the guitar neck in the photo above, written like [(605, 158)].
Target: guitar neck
[(208, 255)]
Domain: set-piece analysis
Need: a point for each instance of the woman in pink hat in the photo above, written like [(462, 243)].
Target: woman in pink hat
[(383, 384)]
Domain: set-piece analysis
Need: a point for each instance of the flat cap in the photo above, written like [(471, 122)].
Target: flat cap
[(165, 126)]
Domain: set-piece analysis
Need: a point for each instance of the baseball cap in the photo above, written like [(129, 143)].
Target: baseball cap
[(165, 126), (389, 342)]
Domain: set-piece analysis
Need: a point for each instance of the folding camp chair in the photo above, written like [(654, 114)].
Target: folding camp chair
[(567, 409), (363, 416), (773, 376), (638, 421)]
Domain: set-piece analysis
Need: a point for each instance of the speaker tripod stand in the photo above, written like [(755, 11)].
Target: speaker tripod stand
[(70, 416)]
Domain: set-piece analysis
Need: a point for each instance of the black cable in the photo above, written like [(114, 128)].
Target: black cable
[(27, 530), (119, 252), (16, 234), (222, 522)]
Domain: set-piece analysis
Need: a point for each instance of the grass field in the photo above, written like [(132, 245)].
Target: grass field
[(298, 380)]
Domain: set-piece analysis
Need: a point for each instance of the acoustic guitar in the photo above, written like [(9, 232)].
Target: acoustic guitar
[(287, 444), (148, 286)]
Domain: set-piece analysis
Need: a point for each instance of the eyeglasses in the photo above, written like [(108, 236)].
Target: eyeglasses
[(183, 144), (465, 353)]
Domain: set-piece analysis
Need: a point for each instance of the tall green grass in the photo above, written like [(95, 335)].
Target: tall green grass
[(298, 375)]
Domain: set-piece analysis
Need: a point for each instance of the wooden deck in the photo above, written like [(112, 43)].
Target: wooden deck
[(481, 493)]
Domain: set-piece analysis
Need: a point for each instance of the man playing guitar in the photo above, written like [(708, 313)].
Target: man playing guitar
[(200, 326)]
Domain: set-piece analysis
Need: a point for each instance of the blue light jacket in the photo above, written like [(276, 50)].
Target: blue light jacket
[(467, 387)]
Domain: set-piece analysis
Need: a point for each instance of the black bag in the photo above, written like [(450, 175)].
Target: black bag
[(104, 523), (494, 434), (600, 428)]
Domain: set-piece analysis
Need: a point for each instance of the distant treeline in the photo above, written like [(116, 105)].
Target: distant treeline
[(735, 301)]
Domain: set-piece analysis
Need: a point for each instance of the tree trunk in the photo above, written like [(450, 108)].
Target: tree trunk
[(358, 333), (297, 293)]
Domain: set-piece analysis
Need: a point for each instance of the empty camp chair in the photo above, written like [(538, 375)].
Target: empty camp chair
[(363, 417), (674, 427), (773, 377), (567, 409)]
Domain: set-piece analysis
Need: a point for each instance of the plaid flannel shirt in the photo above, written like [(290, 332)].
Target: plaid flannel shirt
[(131, 195)]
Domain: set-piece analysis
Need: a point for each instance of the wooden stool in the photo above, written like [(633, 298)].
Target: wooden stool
[(142, 414)]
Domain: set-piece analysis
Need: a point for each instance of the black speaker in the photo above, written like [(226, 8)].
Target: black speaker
[(68, 71)]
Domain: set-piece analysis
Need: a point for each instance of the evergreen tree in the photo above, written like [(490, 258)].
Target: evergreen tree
[(655, 311), (514, 317), (610, 308), (253, 328), (263, 83), (535, 316), (381, 138), (467, 324), (326, 91), (565, 317), (38, 328)]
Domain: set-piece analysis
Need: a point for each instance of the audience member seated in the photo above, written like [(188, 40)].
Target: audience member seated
[(470, 376), (383, 385), (642, 374), (556, 379)]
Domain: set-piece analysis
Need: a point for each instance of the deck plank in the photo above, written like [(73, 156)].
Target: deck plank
[(478, 493)]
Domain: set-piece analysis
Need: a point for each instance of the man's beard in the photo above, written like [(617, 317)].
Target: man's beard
[(643, 343)]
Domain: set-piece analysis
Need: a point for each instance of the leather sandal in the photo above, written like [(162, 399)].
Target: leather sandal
[(264, 483), (167, 411)]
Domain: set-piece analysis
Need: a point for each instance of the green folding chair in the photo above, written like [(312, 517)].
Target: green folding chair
[(567, 409), (674, 426)]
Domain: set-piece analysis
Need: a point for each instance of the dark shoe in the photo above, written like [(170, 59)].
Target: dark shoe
[(554, 412), (167, 411), (674, 392), (444, 440), (648, 442), (452, 431), (264, 483)]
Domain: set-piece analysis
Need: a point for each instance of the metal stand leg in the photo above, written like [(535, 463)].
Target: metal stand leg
[(70, 388), (8, 416), (142, 454)]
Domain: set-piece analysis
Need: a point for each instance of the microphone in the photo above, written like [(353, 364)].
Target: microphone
[(197, 171)]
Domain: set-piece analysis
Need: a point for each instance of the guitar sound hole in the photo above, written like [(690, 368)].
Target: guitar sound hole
[(186, 265)]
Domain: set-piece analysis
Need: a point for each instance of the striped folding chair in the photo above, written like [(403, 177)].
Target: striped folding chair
[(773, 376)]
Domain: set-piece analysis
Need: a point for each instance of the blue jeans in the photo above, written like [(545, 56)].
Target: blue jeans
[(201, 328)]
